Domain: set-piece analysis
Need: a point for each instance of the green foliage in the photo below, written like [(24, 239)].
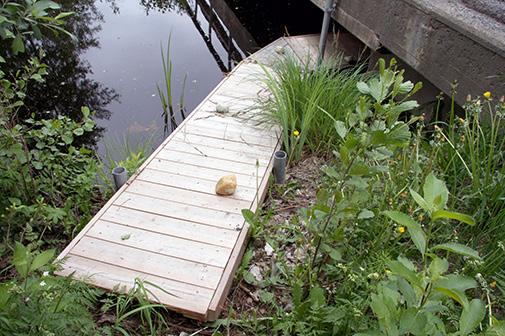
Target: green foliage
[(136, 303), (414, 301), (298, 95), (21, 19), (37, 303), (369, 259)]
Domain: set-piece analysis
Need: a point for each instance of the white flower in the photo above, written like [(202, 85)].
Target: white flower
[(42, 283), (46, 273)]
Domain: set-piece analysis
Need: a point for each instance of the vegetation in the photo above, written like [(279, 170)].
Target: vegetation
[(404, 237)]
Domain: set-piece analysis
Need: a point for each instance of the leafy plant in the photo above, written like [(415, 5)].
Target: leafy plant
[(20, 19), (414, 301), (40, 304)]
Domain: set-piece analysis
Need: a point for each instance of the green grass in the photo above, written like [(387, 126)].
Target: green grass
[(299, 94)]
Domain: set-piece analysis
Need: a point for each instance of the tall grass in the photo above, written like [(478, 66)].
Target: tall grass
[(166, 97), (471, 154), (300, 93)]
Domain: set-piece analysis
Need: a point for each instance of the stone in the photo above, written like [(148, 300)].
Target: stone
[(226, 185), (222, 109)]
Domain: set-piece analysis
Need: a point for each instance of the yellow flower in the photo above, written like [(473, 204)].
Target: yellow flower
[(387, 271), (487, 94), (492, 284), (296, 133), (401, 229)]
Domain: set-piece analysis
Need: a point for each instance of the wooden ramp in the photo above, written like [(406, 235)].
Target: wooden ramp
[(166, 226)]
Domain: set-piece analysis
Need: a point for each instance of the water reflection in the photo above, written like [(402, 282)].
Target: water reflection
[(117, 55)]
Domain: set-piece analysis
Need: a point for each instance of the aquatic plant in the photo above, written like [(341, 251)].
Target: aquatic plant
[(167, 105)]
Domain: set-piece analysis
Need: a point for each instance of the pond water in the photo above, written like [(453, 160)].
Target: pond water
[(120, 55)]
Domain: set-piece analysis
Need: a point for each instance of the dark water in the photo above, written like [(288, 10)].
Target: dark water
[(116, 65)]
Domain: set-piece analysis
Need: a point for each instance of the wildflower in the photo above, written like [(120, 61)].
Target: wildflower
[(46, 273), (387, 271), (420, 217), (296, 133), (461, 121), (401, 229), (42, 283), (487, 95), (492, 284)]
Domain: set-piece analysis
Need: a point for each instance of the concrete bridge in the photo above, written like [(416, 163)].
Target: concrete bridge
[(444, 41)]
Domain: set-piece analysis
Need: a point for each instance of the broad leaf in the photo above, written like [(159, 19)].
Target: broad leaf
[(420, 200), (41, 259), (471, 316), (438, 267), (18, 45), (363, 88), (341, 128), (20, 259), (399, 269), (458, 249), (453, 215), (435, 192), (414, 228)]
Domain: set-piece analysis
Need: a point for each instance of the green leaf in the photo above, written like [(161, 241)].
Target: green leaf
[(456, 295), (458, 249), (435, 192), (359, 169), (420, 200), (63, 15), (249, 216), (85, 111), (453, 215), (366, 214), (414, 228), (471, 316), (78, 131), (405, 87), (341, 128), (20, 259), (41, 260), (363, 88), (18, 45), (399, 269), (2, 60), (438, 267)]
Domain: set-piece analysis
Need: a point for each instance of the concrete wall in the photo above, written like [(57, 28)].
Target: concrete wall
[(443, 40)]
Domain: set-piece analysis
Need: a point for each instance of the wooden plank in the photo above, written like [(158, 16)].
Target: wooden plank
[(187, 212), (218, 153), (216, 305), (213, 175), (226, 166), (196, 274), (231, 134), (184, 196), (171, 226), (161, 244), (217, 302), (181, 297), (243, 193), (222, 144)]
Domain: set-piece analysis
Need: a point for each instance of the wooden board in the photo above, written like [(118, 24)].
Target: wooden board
[(166, 225)]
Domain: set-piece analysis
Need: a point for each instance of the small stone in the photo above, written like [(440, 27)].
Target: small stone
[(226, 185), (268, 249), (256, 273), (222, 109), (279, 50)]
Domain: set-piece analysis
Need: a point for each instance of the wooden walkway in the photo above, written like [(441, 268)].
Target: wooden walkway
[(166, 225)]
